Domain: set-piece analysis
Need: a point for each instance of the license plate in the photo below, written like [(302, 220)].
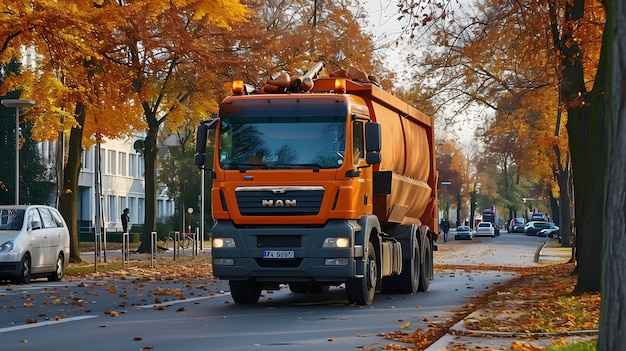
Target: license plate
[(278, 255)]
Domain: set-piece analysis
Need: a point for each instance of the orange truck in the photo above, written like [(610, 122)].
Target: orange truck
[(320, 182)]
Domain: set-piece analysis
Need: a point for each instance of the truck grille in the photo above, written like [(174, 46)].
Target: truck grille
[(279, 201)]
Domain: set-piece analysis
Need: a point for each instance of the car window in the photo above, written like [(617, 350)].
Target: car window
[(58, 220), (34, 219), (46, 218), (11, 219), (485, 225)]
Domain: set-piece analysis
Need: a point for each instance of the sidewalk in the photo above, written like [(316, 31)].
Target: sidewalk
[(461, 338)]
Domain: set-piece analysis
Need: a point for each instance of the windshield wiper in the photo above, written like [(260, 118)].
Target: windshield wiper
[(315, 166), (246, 165)]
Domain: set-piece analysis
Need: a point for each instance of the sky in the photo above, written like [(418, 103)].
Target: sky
[(387, 29)]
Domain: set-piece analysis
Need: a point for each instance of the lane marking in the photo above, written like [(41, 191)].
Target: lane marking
[(43, 324), (170, 303)]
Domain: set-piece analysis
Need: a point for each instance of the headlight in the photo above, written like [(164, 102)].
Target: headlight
[(336, 242), (7, 246), (220, 243)]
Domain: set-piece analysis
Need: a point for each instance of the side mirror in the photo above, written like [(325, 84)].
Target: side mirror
[(373, 140), (373, 143), (201, 136)]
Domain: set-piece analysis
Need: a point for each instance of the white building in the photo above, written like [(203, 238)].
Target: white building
[(122, 185)]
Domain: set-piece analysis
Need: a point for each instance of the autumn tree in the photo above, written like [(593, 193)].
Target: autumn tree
[(64, 78), (296, 35), (166, 53), (508, 49)]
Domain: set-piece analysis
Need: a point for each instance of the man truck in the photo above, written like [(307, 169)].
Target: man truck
[(320, 182)]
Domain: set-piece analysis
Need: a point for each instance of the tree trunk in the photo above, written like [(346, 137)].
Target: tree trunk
[(588, 148), (150, 159), (613, 305), (69, 197)]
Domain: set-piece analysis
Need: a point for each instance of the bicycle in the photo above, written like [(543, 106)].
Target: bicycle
[(185, 241)]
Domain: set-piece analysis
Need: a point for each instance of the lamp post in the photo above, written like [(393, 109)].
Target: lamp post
[(190, 211), (17, 103)]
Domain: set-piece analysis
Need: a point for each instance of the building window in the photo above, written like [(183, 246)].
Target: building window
[(112, 209), (111, 162), (140, 210), (122, 164), (132, 165), (132, 205), (87, 159)]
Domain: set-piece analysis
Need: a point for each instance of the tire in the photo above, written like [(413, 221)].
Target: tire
[(57, 275), (426, 274), (408, 281), (361, 291), (25, 272), (245, 292), (186, 243)]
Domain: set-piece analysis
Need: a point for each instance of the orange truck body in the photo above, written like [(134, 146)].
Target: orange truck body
[(359, 211)]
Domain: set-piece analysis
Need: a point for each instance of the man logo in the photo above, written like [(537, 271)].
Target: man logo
[(278, 203)]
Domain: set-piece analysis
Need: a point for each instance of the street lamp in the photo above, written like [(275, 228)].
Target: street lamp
[(190, 211), (17, 103)]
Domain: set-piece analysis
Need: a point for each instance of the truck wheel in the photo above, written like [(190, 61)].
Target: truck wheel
[(427, 267), (361, 291), (408, 281), (245, 292)]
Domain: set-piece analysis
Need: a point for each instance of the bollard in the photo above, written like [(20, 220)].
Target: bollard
[(153, 247), (96, 250), (125, 249), (176, 245)]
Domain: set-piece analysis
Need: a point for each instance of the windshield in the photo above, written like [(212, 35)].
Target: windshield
[(11, 219), (282, 142)]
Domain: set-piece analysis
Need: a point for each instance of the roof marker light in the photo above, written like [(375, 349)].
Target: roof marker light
[(340, 85), (238, 87)]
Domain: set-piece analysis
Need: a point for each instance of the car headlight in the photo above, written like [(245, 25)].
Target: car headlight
[(336, 242), (7, 246), (219, 243)]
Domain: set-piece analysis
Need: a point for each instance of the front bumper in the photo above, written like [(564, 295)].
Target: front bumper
[(246, 259)]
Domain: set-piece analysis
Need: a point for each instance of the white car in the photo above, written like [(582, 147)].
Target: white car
[(485, 229), (34, 242)]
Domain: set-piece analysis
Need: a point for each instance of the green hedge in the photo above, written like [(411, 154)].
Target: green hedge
[(112, 237)]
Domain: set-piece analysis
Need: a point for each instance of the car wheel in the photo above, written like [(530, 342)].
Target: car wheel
[(24, 276), (59, 269)]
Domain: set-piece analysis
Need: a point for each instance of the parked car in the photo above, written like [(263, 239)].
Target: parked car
[(516, 225), (463, 232), (34, 242), (533, 227), (485, 229), (549, 232)]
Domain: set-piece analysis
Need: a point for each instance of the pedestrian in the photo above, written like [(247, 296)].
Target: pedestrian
[(445, 227), (125, 220)]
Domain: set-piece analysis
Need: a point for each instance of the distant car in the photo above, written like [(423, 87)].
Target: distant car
[(516, 225), (463, 232), (34, 242), (485, 229), (549, 232), (533, 227), (538, 216)]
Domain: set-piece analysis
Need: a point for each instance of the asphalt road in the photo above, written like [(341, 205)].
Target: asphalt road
[(200, 315)]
